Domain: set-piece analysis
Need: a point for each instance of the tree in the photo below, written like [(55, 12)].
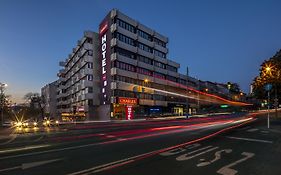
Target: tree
[(269, 73), (36, 104)]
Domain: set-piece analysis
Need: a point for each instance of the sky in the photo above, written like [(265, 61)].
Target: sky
[(219, 40)]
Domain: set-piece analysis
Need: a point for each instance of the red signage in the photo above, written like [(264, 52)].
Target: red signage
[(127, 101), (103, 27), (129, 112)]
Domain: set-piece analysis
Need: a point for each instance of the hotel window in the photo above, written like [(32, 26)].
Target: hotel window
[(90, 90), (125, 53), (145, 60), (159, 75), (125, 66), (182, 81), (160, 54), (144, 35), (159, 64), (90, 77), (90, 65), (90, 40), (171, 68), (159, 42), (144, 71), (174, 79), (90, 53), (125, 39), (125, 25), (144, 47)]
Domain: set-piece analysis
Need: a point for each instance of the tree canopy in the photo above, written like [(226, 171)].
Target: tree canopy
[(269, 72)]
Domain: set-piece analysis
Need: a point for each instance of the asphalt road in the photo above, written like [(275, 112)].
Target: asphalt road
[(148, 147)]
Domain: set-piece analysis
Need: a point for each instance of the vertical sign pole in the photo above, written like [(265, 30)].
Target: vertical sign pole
[(268, 95)]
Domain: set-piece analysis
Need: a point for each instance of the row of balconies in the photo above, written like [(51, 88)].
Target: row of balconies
[(134, 36), (134, 75), (115, 42), (134, 23), (124, 59)]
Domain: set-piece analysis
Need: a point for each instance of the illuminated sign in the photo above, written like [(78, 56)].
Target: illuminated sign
[(80, 109), (103, 28), (224, 106), (127, 101), (129, 112)]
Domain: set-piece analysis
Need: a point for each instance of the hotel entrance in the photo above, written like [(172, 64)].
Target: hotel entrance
[(124, 109)]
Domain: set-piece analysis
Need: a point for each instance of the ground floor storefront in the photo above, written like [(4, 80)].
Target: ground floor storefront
[(129, 108)]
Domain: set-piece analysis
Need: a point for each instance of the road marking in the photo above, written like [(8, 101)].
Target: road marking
[(36, 140), (186, 157), (217, 157), (23, 148), (226, 170), (179, 150), (146, 155), (249, 139), (252, 130), (266, 132), (30, 165), (244, 128)]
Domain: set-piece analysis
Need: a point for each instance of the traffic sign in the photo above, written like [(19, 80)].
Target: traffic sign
[(268, 87)]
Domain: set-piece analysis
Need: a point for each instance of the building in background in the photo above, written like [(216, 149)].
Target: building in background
[(49, 99), (78, 84)]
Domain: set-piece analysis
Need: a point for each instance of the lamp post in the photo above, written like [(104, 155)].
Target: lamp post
[(268, 88), (2, 87)]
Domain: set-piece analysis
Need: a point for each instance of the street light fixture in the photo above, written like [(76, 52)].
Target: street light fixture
[(2, 87)]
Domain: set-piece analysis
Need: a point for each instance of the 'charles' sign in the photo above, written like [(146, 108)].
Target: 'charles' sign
[(127, 101)]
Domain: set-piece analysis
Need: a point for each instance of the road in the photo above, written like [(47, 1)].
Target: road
[(219, 145)]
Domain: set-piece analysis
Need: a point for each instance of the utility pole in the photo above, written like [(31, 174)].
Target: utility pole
[(268, 98), (2, 86)]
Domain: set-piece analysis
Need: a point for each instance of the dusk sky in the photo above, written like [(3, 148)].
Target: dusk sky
[(219, 40)]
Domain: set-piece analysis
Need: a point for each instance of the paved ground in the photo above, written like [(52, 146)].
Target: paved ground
[(141, 148)]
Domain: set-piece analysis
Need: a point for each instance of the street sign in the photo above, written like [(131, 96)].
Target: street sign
[(268, 87)]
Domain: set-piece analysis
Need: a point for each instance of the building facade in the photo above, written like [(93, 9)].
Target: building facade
[(123, 72), (78, 84), (136, 72), (49, 100)]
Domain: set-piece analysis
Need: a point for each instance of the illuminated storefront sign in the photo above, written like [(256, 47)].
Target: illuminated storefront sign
[(104, 83), (129, 112), (127, 101)]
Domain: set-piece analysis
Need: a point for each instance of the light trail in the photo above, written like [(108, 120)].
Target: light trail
[(211, 97)]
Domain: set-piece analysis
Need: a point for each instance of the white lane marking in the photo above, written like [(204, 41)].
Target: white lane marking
[(244, 128), (226, 170), (265, 132), (179, 150), (23, 148), (217, 157), (36, 140), (252, 130), (108, 165), (30, 165), (186, 157), (249, 139)]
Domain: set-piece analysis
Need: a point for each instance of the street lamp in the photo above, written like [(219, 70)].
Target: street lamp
[(2, 87)]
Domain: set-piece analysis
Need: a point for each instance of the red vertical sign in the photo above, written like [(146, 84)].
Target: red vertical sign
[(129, 112)]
